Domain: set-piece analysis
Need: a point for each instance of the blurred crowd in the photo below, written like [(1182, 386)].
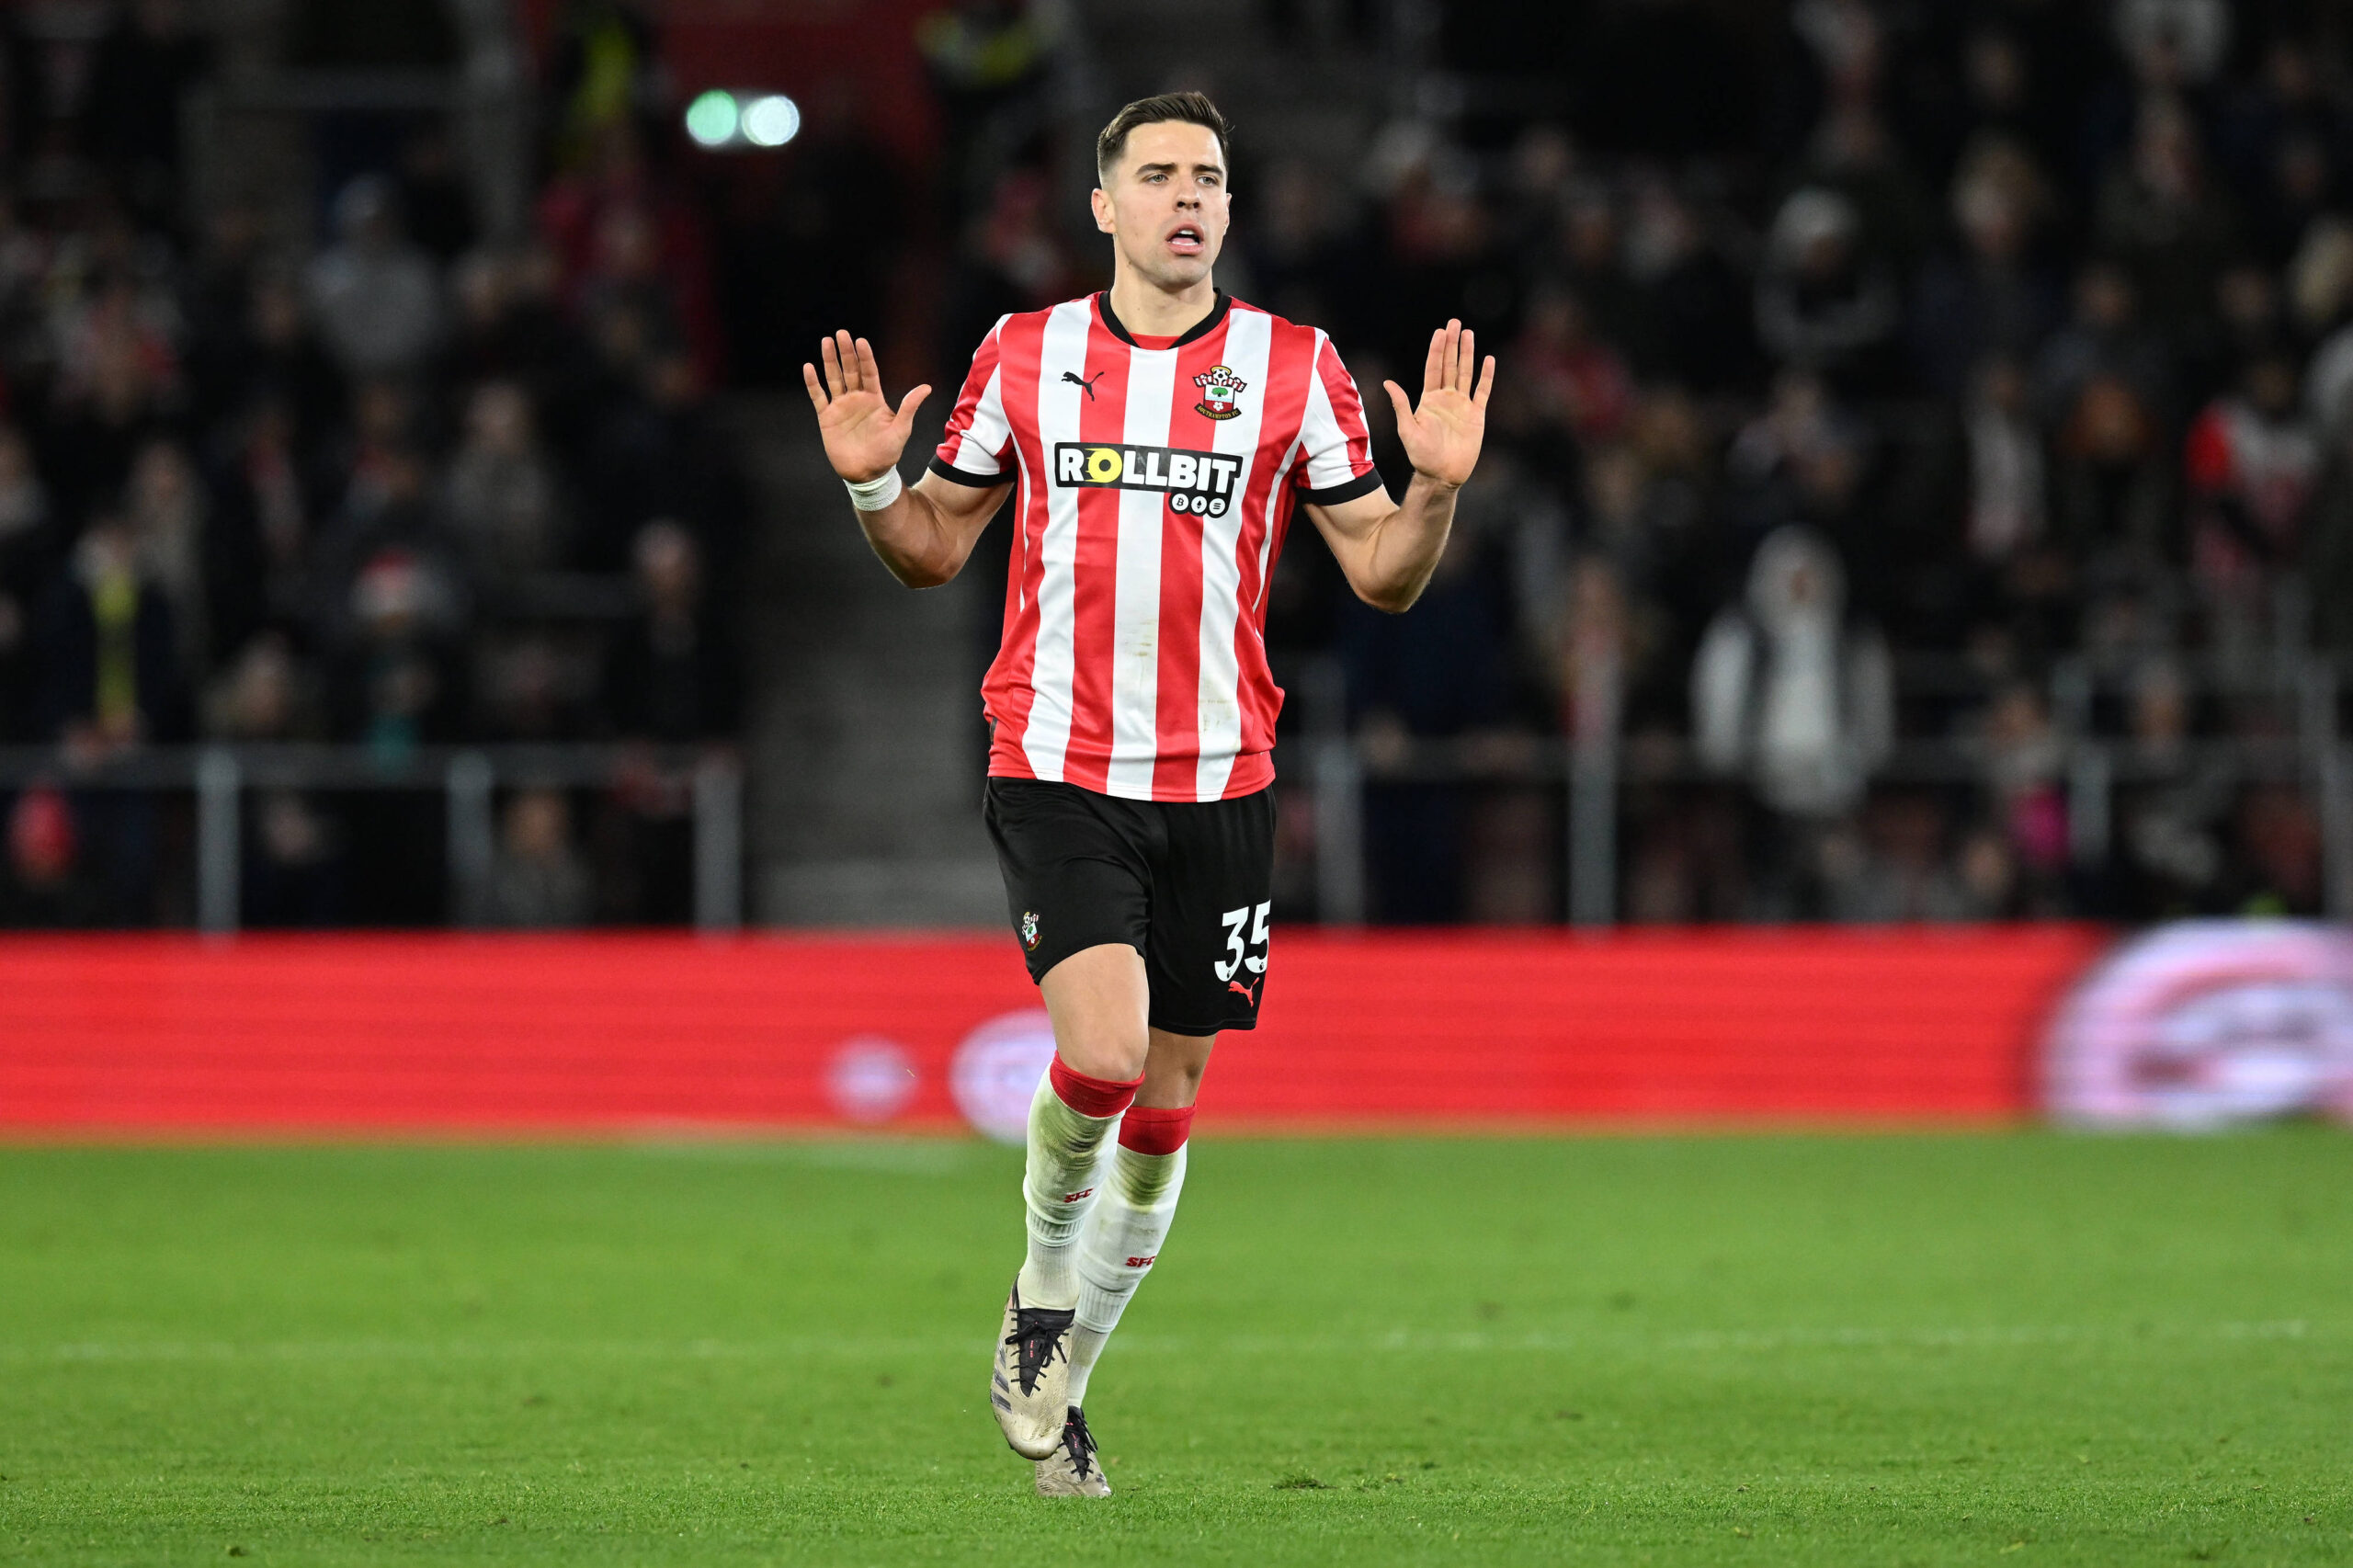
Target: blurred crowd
[(1900, 397), (386, 474), (1882, 380)]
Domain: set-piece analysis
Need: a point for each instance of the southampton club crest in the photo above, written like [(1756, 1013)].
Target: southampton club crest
[(1029, 930), (1219, 387)]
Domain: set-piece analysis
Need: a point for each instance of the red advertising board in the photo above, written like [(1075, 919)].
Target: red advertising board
[(357, 1033)]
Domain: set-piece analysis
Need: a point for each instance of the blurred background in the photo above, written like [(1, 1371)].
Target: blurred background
[(1920, 486)]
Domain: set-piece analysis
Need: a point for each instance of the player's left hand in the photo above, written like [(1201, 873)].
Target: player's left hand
[(1442, 437)]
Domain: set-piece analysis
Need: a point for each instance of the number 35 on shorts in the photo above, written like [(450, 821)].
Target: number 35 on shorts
[(1251, 953)]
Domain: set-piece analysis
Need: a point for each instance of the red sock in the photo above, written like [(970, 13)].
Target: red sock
[(1093, 1096), (1155, 1129)]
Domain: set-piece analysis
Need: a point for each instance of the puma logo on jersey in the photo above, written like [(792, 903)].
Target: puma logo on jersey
[(1250, 990), (1075, 379)]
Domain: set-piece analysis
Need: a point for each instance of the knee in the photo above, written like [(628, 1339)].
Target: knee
[(1103, 1054), (1174, 1068)]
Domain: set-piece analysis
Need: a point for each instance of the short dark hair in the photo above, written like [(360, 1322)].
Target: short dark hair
[(1193, 108)]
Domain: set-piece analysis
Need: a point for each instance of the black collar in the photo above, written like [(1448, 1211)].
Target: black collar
[(1201, 328)]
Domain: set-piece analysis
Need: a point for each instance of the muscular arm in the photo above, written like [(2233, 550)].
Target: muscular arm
[(926, 534), (1387, 551)]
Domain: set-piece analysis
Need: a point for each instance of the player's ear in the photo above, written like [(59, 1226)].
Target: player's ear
[(1102, 205)]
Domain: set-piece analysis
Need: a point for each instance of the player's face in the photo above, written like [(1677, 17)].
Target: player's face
[(1166, 207)]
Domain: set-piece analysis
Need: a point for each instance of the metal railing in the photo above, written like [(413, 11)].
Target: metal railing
[(467, 778), (1595, 775)]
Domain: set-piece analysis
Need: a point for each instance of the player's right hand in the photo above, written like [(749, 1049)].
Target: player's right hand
[(863, 437)]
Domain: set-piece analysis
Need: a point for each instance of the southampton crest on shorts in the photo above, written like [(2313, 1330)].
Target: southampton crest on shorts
[(1219, 387), (1029, 930)]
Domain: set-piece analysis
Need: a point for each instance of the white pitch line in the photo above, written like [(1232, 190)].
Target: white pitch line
[(1405, 1341)]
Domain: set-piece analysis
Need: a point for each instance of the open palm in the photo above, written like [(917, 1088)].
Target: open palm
[(863, 436), (1443, 436)]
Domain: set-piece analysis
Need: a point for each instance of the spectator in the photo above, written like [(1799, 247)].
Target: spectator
[(539, 880), (1898, 870), (1992, 297), (1787, 691), (2113, 490), (270, 354), (262, 695), (617, 225), (389, 506), (2277, 867), (502, 501), (2022, 756), (1444, 671), (1704, 331), (398, 684), (1292, 244), (263, 513), (2252, 463), (2168, 861), (44, 887), (1823, 304), (112, 675), (112, 683), (294, 850), (672, 679), (116, 371), (2159, 214), (2006, 495), (377, 297), (1573, 379), (2323, 292), (2105, 337), (2024, 578), (2328, 557), (27, 555), (165, 505), (1591, 266), (658, 451), (1013, 257), (2173, 43)]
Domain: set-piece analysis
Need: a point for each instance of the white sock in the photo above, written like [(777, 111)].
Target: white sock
[(1117, 1247), (1058, 1190)]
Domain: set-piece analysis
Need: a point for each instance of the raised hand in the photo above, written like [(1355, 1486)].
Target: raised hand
[(1443, 436), (863, 437)]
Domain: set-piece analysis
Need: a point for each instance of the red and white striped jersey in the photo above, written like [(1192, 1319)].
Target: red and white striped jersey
[(1154, 481)]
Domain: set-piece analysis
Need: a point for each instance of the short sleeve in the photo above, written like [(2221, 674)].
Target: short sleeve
[(973, 451), (1336, 456)]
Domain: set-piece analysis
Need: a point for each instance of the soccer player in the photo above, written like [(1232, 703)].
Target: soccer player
[(1160, 437)]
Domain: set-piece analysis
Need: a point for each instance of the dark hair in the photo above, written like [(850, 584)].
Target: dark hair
[(1192, 108)]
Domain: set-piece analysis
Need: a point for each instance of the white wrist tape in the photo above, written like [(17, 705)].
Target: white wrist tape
[(877, 493)]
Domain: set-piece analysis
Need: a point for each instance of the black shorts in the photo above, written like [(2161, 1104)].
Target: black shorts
[(1185, 884)]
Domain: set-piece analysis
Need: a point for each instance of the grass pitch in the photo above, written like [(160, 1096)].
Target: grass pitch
[(2007, 1348)]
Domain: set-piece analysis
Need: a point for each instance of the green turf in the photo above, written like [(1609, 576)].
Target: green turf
[(1758, 1350)]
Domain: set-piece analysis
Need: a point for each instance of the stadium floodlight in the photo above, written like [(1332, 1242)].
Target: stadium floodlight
[(712, 118), (771, 120)]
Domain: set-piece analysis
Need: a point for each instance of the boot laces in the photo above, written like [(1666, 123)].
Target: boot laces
[(1079, 1441), (1038, 1336)]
